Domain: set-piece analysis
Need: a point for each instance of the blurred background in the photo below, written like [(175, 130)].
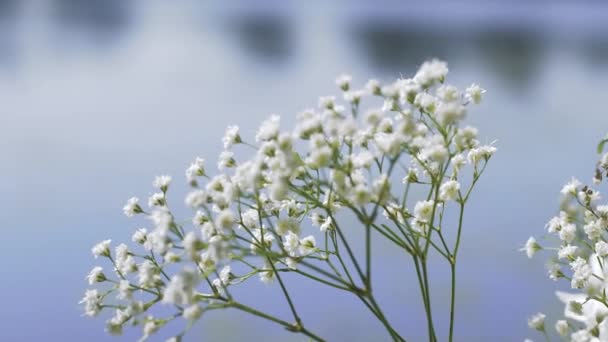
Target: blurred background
[(98, 97)]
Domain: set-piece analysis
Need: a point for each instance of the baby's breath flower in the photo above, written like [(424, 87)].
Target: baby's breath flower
[(193, 312), (196, 169), (531, 247), (101, 249), (333, 163), (343, 81), (571, 188), (562, 327), (132, 207), (231, 137), (449, 191), (601, 248), (474, 93), (537, 322), (96, 275), (92, 302), (162, 182)]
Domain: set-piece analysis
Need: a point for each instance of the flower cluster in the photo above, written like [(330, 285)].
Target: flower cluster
[(276, 212), (579, 231)]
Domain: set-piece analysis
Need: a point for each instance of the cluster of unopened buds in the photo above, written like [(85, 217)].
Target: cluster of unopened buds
[(276, 213), (578, 239)]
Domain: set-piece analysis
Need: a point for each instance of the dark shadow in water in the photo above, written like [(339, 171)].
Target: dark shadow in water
[(102, 21), (515, 57), (595, 51), (393, 48), (264, 37), (8, 45)]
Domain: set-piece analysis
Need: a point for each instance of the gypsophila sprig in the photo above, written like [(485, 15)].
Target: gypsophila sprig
[(277, 212), (579, 234)]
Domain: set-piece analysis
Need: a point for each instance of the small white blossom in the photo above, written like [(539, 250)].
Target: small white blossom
[(132, 207), (101, 249), (537, 322), (449, 191), (562, 328), (162, 182), (96, 275), (531, 247), (193, 312), (474, 93), (231, 137)]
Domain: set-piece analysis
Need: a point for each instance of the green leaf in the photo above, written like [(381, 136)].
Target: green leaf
[(600, 146)]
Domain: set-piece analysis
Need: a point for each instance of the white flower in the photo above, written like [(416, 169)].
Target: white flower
[(231, 137), (96, 275), (125, 292), (568, 232), (92, 302), (483, 152), (325, 224), (269, 129), (291, 263), (157, 200), (531, 247), (150, 327), (474, 93), (140, 236), (226, 160), (373, 86), (196, 169), (561, 327), (450, 112), (148, 274), (449, 190), (180, 290), (291, 242), (571, 188), (567, 251), (582, 273), (423, 210), (430, 72), (101, 249), (308, 245), (593, 229), (162, 182), (327, 102), (601, 248), (225, 220), (537, 322), (343, 81), (132, 207), (267, 275), (193, 312)]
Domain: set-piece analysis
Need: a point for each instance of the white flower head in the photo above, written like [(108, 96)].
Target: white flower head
[(537, 322), (343, 81), (474, 93), (92, 302), (269, 129), (231, 137), (132, 207), (531, 247), (101, 249), (449, 191), (162, 182), (96, 275)]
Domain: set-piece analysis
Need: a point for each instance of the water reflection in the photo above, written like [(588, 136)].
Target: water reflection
[(392, 48), (513, 56), (265, 37), (102, 21)]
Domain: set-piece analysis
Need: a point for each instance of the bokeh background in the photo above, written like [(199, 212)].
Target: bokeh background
[(98, 97)]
